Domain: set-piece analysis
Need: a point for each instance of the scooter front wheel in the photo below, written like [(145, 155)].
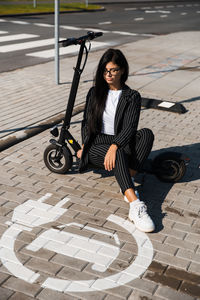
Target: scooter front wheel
[(58, 159), (169, 168)]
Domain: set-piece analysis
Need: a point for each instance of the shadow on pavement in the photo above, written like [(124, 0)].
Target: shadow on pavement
[(153, 191)]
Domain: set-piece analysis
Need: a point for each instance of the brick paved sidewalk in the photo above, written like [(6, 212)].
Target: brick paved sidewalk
[(32, 251)]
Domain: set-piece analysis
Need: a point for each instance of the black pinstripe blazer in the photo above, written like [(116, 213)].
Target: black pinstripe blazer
[(125, 124)]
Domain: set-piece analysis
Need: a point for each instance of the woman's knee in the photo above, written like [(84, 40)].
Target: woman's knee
[(146, 134)]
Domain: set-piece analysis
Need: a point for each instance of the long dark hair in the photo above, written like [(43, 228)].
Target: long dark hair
[(101, 87)]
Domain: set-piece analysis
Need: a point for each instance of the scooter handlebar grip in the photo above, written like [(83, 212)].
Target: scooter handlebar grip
[(93, 35), (69, 42)]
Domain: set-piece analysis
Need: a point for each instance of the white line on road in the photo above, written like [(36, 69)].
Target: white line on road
[(163, 16), (2, 20), (15, 37), (130, 8), (198, 12), (123, 33), (71, 27), (27, 45), (183, 13), (138, 19), (3, 32), (43, 25), (63, 51), (105, 23), (20, 22), (157, 11)]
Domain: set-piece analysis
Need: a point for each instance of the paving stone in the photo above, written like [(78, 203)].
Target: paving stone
[(190, 255), (44, 266), (18, 285), (20, 296), (64, 260), (141, 295), (163, 248), (180, 244), (171, 260), (143, 285), (163, 279), (5, 293), (191, 289), (47, 294), (157, 267), (182, 275), (3, 277), (194, 268), (168, 293), (122, 291)]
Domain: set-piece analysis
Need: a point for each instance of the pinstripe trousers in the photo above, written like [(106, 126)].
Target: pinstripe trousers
[(132, 156)]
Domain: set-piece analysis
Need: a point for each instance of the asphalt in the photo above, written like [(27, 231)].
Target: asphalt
[(161, 265)]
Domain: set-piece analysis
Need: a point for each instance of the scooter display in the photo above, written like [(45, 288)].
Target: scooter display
[(58, 158)]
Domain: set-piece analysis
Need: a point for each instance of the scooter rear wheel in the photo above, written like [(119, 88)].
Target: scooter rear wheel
[(57, 159), (169, 169)]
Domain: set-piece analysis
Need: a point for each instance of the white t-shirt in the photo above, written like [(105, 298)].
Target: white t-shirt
[(109, 112)]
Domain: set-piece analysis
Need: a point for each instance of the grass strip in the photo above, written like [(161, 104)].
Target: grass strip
[(8, 9)]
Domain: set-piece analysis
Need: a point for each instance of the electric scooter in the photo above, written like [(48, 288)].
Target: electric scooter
[(58, 158)]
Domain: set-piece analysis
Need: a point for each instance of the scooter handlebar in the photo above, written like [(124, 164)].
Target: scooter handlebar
[(77, 41)]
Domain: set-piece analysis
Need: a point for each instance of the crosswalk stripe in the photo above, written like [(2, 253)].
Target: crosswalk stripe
[(2, 20), (71, 27), (20, 22), (67, 50), (27, 45), (3, 32), (15, 37), (43, 25)]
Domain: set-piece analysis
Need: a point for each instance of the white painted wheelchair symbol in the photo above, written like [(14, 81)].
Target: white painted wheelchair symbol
[(35, 213)]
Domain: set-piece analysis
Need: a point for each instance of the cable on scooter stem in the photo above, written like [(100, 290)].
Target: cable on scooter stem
[(77, 41)]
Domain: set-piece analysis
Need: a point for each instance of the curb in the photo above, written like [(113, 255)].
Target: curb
[(27, 133)]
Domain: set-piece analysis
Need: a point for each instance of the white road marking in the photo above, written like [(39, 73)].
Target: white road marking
[(183, 13), (15, 37), (146, 7), (158, 11), (124, 33), (138, 19), (163, 16), (71, 27), (105, 23), (3, 32), (130, 8), (2, 20), (158, 7), (20, 22), (27, 45), (43, 25), (63, 51), (198, 11)]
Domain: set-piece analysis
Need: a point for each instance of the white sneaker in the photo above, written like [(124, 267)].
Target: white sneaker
[(138, 214)]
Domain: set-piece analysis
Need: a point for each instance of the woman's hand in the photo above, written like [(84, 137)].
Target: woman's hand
[(109, 160), (79, 152)]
